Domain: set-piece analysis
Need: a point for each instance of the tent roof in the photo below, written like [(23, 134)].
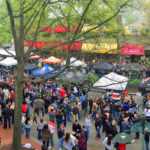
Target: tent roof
[(9, 61), (75, 63), (3, 52), (112, 81), (45, 69), (103, 66)]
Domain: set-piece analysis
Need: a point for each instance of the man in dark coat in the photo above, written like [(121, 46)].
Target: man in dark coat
[(7, 114)]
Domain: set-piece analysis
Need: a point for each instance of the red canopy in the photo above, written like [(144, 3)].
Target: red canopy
[(61, 29), (39, 44), (132, 50), (45, 29)]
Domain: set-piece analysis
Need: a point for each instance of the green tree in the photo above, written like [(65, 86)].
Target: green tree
[(23, 15)]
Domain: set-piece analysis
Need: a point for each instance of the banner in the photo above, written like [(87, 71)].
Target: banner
[(110, 48), (132, 50)]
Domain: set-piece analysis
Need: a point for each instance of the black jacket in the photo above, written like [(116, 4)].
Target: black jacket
[(6, 112), (98, 122), (112, 130), (60, 133), (76, 128)]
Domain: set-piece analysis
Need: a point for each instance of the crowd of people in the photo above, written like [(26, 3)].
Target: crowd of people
[(65, 105)]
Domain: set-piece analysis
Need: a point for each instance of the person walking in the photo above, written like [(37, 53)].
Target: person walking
[(28, 125)]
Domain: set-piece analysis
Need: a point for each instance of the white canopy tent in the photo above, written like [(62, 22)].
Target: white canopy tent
[(74, 63), (4, 53), (9, 61), (112, 81)]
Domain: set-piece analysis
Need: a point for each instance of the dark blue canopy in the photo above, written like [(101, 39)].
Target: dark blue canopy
[(45, 69)]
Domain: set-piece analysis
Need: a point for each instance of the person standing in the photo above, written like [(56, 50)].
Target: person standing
[(90, 104), (108, 143), (60, 133), (28, 125), (40, 126), (94, 109), (147, 134), (88, 125), (46, 135), (69, 143), (75, 111), (51, 126), (98, 124), (6, 114), (82, 143)]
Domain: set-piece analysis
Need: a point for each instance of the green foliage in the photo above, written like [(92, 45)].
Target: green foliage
[(93, 78), (133, 83)]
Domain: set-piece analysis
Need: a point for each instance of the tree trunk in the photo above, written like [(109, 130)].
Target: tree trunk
[(18, 107)]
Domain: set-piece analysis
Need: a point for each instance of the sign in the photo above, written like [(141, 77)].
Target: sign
[(132, 50), (105, 48)]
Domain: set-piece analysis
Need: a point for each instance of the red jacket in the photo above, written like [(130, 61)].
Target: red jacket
[(24, 108), (121, 146), (12, 96)]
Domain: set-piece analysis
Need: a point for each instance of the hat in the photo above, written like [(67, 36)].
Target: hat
[(28, 146)]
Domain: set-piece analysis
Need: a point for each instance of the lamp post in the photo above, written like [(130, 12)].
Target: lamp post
[(141, 126)]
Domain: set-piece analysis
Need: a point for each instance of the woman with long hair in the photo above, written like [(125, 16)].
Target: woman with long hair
[(82, 142), (28, 125), (108, 142), (45, 135), (69, 143)]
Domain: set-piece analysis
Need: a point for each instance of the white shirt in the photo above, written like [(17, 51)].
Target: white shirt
[(109, 147), (147, 112), (75, 90)]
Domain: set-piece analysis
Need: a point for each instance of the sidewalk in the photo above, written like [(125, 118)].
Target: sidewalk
[(6, 138)]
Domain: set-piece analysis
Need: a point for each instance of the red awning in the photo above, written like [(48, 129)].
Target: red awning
[(74, 46), (45, 29), (132, 50), (60, 29)]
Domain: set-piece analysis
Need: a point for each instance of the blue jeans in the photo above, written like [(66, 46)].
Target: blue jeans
[(27, 132), (94, 114), (39, 134), (147, 145), (98, 132), (88, 132), (37, 111), (79, 115), (68, 116), (22, 128), (60, 143), (116, 115), (51, 140)]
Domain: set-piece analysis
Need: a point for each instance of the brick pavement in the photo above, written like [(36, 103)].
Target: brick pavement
[(6, 138)]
